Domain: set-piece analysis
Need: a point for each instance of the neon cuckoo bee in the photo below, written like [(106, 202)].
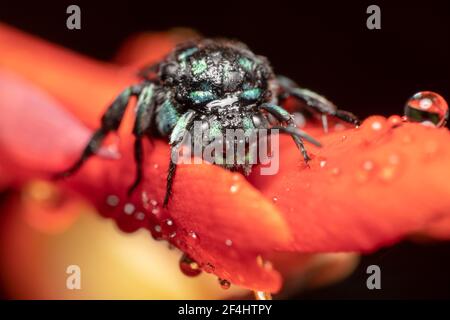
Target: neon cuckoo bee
[(218, 82)]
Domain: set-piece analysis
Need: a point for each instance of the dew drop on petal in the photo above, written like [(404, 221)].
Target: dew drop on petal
[(156, 166), (128, 208), (234, 188), (224, 284), (335, 171), (387, 173), (376, 125), (228, 242), (265, 264), (112, 200), (275, 199), (140, 216), (323, 163), (236, 177), (368, 165), (394, 120), (428, 108), (172, 235), (193, 235), (145, 200), (157, 228), (189, 267), (394, 159)]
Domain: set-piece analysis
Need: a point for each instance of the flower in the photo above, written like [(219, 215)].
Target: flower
[(367, 187)]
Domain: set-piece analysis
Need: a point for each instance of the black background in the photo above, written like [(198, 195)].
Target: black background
[(324, 46)]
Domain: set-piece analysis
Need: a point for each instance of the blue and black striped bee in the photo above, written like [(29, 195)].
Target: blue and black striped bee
[(218, 82)]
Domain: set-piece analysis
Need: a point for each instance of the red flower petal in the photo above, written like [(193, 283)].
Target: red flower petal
[(365, 188)]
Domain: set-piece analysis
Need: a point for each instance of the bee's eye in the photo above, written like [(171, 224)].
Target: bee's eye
[(251, 94), (202, 96)]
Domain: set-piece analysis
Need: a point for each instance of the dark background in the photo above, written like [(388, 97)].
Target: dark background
[(323, 46)]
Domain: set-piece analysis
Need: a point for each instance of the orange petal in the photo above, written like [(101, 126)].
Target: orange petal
[(365, 188)]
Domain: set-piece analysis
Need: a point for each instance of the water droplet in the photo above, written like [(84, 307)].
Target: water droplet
[(234, 188), (128, 208), (368, 165), (428, 108), (387, 173), (265, 264), (145, 199), (169, 222), (394, 159), (156, 166), (323, 163), (395, 120), (192, 237), (112, 200), (228, 243), (140, 216), (275, 199), (344, 137), (153, 202), (335, 171), (155, 210), (157, 228), (225, 284), (376, 125), (189, 267)]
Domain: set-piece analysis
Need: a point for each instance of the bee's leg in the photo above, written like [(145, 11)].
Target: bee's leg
[(315, 101), (170, 177), (111, 120), (177, 136), (283, 116), (145, 110)]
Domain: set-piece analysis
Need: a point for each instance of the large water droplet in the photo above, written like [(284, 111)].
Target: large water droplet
[(428, 108), (189, 267)]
